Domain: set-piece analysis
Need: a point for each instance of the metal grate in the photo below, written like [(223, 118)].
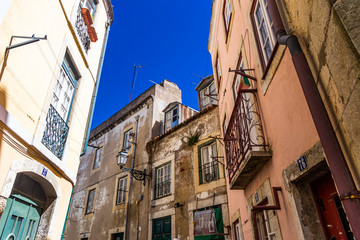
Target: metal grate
[(209, 172), (82, 30), (55, 133)]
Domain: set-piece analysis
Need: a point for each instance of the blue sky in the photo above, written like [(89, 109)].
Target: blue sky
[(168, 37)]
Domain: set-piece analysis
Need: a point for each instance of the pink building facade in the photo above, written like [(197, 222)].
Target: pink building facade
[(279, 169)]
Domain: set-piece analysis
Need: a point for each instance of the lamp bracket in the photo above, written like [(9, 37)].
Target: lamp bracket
[(137, 174)]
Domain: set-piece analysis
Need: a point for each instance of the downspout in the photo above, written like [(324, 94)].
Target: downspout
[(67, 214), (131, 179), (93, 100), (334, 155)]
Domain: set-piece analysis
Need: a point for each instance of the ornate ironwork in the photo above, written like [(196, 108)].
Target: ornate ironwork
[(209, 172), (82, 30), (55, 133), (245, 131), (137, 174)]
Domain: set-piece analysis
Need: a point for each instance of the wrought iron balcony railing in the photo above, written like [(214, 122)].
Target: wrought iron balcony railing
[(245, 144), (82, 30), (209, 172), (55, 133)]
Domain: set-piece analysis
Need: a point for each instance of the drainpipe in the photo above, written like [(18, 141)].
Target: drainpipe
[(67, 213), (131, 179), (93, 100), (334, 155)]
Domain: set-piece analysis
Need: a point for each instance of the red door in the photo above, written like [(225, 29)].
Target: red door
[(331, 210)]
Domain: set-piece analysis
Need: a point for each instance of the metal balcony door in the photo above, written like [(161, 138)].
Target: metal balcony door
[(162, 228), (20, 220), (334, 219)]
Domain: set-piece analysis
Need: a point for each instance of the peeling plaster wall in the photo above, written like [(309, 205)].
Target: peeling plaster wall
[(172, 147), (108, 217)]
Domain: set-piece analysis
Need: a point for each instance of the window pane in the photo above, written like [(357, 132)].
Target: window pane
[(259, 14), (97, 158), (90, 203), (163, 181), (268, 50), (204, 155)]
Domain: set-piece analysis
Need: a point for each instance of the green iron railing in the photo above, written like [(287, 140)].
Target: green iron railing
[(55, 133)]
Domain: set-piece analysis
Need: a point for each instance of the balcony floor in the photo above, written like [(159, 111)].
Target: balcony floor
[(251, 165)]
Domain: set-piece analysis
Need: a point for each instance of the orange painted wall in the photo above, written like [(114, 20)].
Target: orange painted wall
[(288, 123)]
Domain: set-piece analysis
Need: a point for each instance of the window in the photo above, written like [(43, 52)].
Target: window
[(218, 70), (238, 231), (117, 236), (126, 142), (121, 191), (163, 181), (90, 5), (56, 129), (90, 202), (97, 158), (265, 31), (65, 88), (208, 96), (209, 168), (227, 12), (171, 118)]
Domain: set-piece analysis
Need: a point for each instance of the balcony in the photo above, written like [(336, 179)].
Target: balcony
[(82, 30), (246, 147), (55, 133)]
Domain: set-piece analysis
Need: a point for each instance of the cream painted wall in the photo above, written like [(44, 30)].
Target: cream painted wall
[(27, 85)]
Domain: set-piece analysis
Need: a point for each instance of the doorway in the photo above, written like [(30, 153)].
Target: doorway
[(161, 228), (330, 209), (24, 207)]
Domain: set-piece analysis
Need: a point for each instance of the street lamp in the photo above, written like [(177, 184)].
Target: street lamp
[(121, 159)]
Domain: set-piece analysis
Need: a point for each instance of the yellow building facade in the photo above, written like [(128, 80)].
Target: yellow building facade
[(50, 63)]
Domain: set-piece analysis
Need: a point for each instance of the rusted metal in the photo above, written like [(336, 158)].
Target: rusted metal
[(244, 132), (242, 73)]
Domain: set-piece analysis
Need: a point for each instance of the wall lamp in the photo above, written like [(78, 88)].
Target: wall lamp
[(122, 158)]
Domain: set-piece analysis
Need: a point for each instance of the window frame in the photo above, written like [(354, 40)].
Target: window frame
[(238, 233), (207, 90), (171, 119), (123, 190), (237, 77), (70, 73), (126, 143), (97, 159), (214, 165), (166, 182), (87, 209), (227, 24), (217, 70), (265, 62), (92, 4)]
